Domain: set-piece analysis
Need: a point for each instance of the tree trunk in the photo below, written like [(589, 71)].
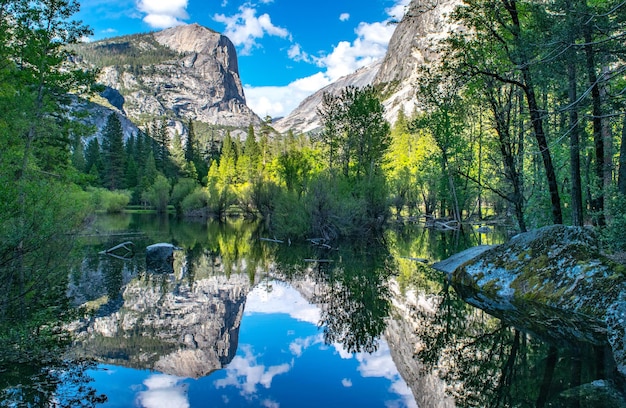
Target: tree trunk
[(574, 146), (621, 178), (535, 116), (597, 203)]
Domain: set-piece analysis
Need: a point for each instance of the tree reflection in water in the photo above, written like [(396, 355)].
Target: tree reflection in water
[(351, 290), (487, 363), (356, 301)]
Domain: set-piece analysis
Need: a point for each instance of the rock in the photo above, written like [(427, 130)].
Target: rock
[(616, 323), (456, 260), (597, 394), (557, 266), (196, 76), (414, 43), (160, 257), (551, 280), (305, 118)]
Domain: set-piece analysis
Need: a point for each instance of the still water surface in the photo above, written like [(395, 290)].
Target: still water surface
[(238, 321)]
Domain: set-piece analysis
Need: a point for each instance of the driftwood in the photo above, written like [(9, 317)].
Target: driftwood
[(321, 242), (448, 225), (278, 241), (421, 260), (128, 246)]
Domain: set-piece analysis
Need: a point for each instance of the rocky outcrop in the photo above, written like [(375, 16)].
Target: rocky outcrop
[(185, 72), (427, 387), (95, 115), (186, 330), (414, 44)]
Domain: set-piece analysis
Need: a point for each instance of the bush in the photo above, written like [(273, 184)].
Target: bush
[(195, 201), (109, 201), (290, 218), (158, 195), (182, 190), (115, 202)]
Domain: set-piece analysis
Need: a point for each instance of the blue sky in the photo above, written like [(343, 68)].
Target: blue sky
[(287, 49)]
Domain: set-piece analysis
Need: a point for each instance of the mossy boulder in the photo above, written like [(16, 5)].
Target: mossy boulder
[(553, 282), (556, 266)]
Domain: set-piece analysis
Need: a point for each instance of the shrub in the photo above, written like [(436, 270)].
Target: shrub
[(195, 201), (109, 201), (158, 194)]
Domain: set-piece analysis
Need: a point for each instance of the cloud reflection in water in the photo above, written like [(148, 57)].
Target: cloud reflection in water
[(164, 391)]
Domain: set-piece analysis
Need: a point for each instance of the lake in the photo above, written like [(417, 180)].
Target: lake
[(239, 320)]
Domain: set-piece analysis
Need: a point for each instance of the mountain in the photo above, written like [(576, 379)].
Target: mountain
[(412, 46), (185, 72), (304, 118)]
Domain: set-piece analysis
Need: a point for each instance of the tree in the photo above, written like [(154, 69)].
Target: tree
[(39, 212), (356, 135), (500, 44), (114, 153), (443, 117), (158, 194), (356, 138)]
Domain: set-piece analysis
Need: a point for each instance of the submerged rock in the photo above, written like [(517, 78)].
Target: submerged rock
[(597, 394)]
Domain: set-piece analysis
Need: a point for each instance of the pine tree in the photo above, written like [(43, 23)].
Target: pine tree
[(114, 154)]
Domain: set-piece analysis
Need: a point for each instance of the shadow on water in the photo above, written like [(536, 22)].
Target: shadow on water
[(449, 353)]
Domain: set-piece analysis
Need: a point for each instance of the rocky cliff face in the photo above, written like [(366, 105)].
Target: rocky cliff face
[(412, 46), (185, 72)]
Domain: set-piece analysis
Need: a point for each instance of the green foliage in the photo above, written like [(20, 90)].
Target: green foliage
[(356, 136), (158, 194), (109, 201), (195, 201), (183, 188), (113, 153), (614, 234)]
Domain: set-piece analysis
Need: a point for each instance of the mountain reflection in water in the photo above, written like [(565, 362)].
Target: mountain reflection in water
[(242, 322), (282, 360)]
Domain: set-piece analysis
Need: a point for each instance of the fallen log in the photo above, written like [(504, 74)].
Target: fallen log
[(128, 246)]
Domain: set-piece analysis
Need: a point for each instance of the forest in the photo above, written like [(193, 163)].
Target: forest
[(521, 121)]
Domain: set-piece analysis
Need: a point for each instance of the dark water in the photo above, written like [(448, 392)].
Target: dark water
[(241, 321)]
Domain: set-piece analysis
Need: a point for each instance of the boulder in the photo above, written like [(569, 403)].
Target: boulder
[(554, 282), (557, 266), (160, 257)]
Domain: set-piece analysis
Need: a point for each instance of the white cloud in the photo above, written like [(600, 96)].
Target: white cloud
[(298, 346), (282, 298), (397, 11), (278, 101), (163, 391), (295, 53), (245, 374), (369, 46), (244, 28), (346, 57), (163, 13), (346, 382), (344, 16)]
